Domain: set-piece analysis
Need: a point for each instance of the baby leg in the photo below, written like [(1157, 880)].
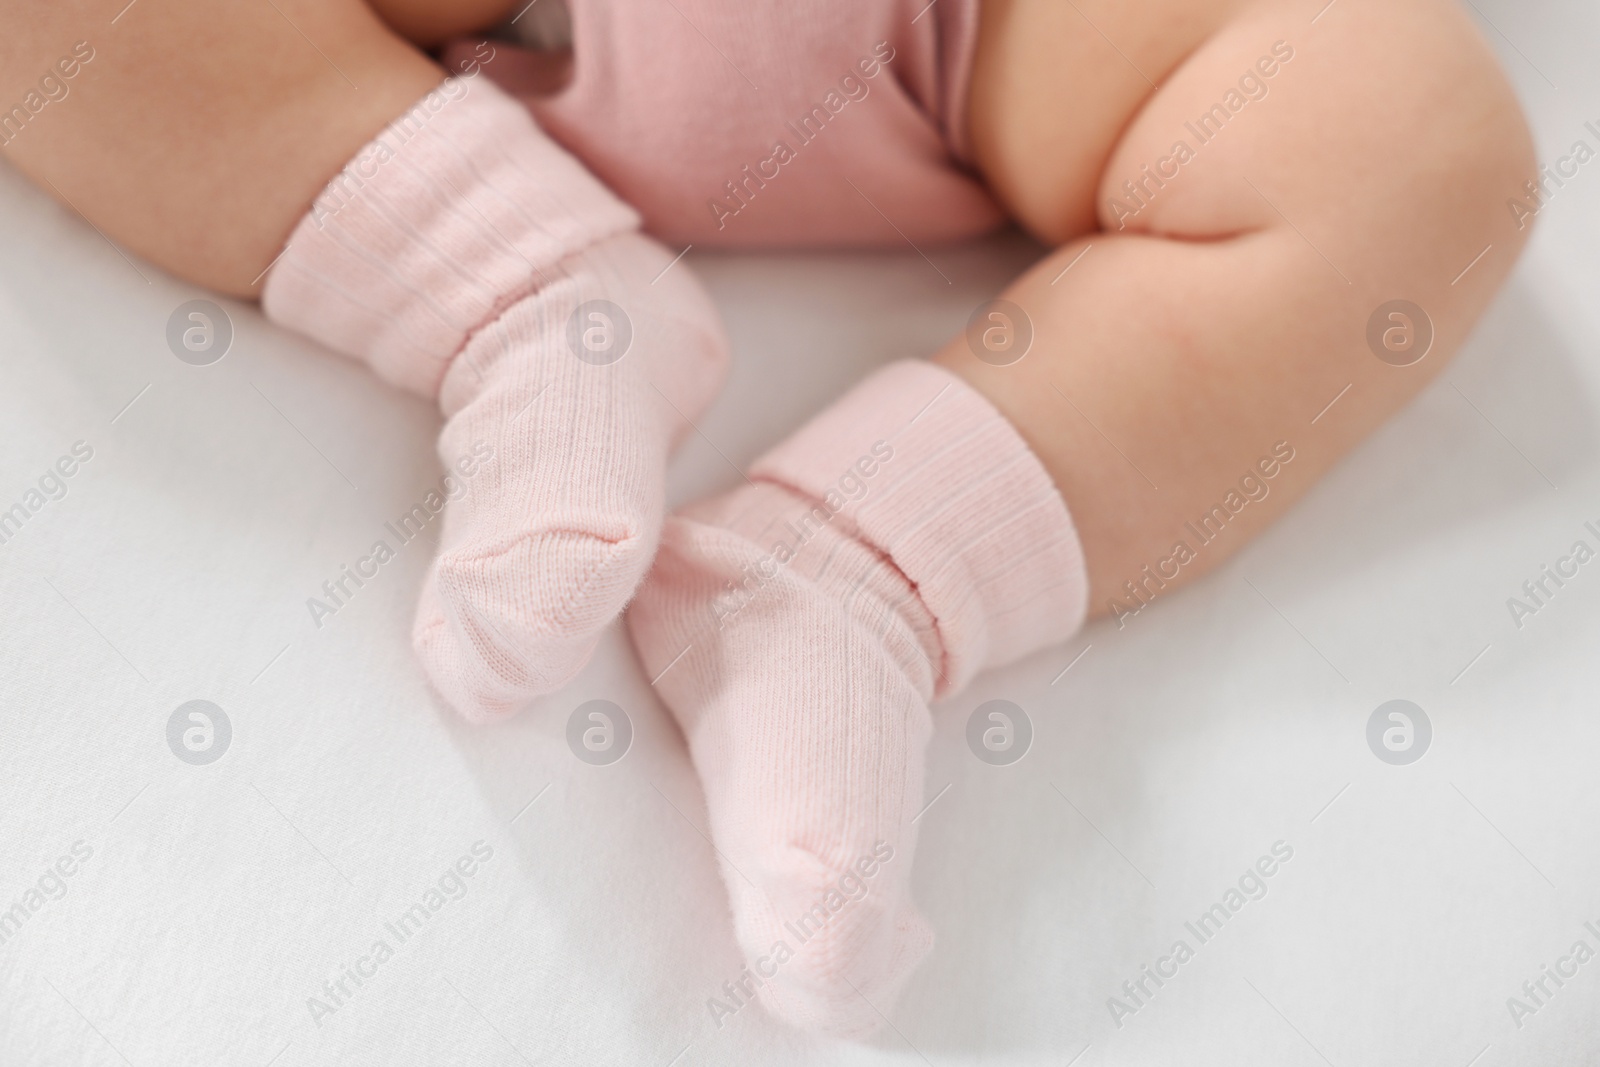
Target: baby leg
[(461, 253), (197, 135), (1226, 306), (943, 519)]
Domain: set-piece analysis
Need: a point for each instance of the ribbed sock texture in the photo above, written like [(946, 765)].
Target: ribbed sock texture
[(465, 256), (798, 628)]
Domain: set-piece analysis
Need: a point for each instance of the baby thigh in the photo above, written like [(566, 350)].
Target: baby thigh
[(197, 135), (1262, 216)]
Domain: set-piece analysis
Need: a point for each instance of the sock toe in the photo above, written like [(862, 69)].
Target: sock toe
[(505, 626), (854, 940)]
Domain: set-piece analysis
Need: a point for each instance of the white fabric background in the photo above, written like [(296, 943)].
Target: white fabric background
[(219, 898)]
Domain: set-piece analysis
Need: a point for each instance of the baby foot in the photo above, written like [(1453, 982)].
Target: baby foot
[(575, 393), (799, 627), (467, 257)]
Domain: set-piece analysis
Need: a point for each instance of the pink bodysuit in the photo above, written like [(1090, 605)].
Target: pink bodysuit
[(749, 122)]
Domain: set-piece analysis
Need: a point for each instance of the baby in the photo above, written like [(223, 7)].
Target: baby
[(1271, 223)]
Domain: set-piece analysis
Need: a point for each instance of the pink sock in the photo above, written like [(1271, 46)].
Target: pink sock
[(465, 256), (898, 544)]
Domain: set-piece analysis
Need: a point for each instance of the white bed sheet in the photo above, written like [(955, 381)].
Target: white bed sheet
[(216, 900)]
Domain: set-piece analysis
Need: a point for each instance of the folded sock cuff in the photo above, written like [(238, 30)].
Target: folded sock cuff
[(456, 210), (924, 469)]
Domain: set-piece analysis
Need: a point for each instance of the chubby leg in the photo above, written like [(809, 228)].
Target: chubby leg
[(196, 136), (945, 518), (1220, 309)]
